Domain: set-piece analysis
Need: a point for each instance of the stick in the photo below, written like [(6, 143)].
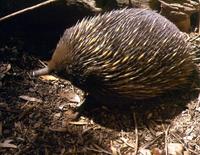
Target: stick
[(166, 140), (178, 138), (26, 9), (151, 142), (135, 147), (128, 144), (136, 134)]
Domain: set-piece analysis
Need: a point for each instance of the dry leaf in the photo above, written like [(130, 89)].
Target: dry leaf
[(4, 68), (62, 106), (57, 115), (113, 149), (145, 152), (70, 96), (175, 149), (48, 78), (186, 153), (28, 98), (6, 144), (3, 105)]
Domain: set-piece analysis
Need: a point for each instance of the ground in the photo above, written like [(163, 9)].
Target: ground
[(38, 116)]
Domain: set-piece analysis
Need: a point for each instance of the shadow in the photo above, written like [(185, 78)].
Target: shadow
[(120, 116), (15, 81), (40, 29)]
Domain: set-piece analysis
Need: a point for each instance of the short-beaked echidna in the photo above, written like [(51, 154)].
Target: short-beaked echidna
[(129, 53)]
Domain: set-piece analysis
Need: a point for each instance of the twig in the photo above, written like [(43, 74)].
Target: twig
[(166, 139), (128, 144), (150, 143), (192, 39), (125, 141), (178, 138), (99, 151), (136, 134), (26, 9), (42, 63)]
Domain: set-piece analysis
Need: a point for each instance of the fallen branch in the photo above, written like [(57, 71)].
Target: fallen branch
[(26, 9)]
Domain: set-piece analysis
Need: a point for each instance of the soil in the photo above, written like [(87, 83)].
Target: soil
[(45, 115)]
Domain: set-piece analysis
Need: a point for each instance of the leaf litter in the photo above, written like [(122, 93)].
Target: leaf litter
[(40, 116)]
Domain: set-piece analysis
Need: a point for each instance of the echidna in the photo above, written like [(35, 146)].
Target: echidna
[(129, 53)]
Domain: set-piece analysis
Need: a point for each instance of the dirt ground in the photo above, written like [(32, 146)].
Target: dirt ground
[(37, 116)]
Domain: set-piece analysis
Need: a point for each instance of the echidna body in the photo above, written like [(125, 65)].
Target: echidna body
[(129, 53)]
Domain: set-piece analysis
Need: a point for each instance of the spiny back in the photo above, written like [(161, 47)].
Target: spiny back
[(134, 53)]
